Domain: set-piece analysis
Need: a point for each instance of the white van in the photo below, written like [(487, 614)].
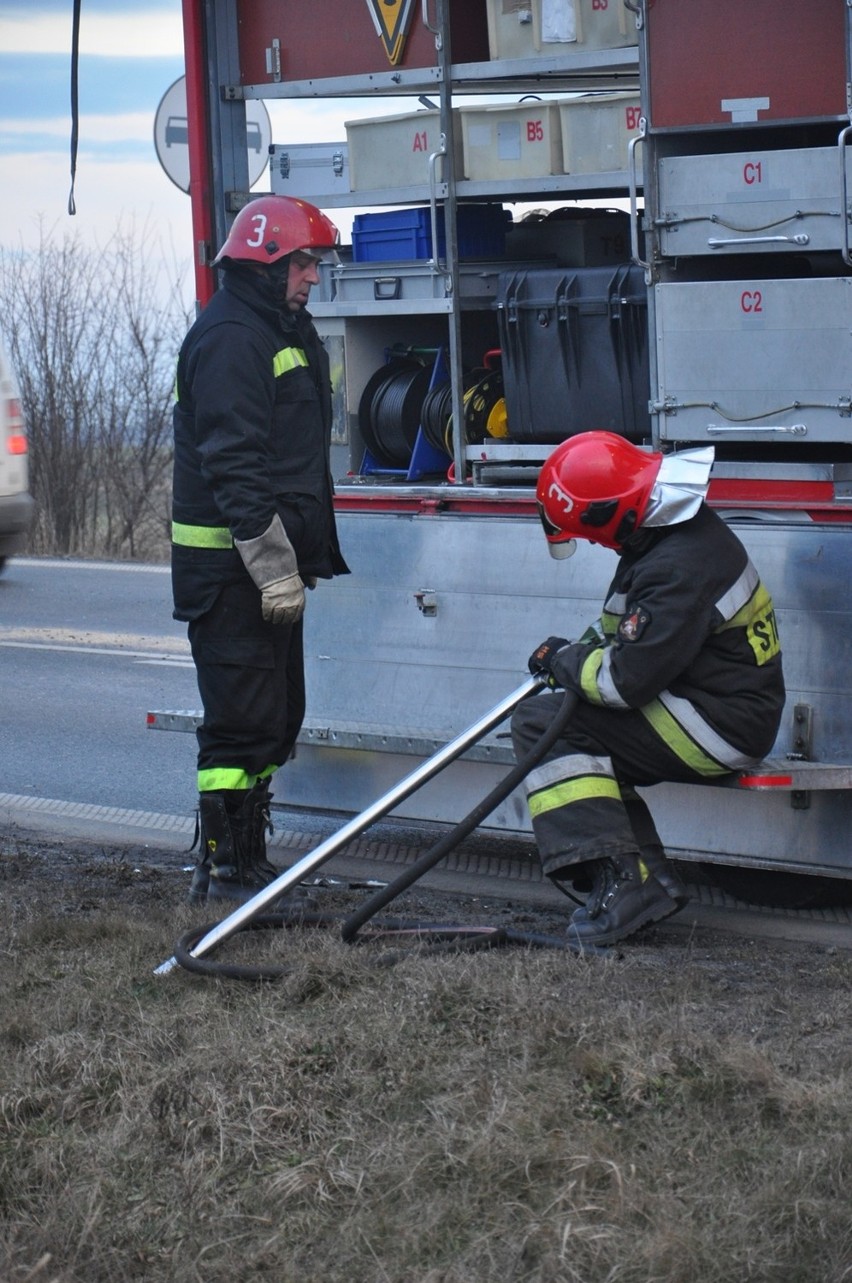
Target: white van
[(16, 504)]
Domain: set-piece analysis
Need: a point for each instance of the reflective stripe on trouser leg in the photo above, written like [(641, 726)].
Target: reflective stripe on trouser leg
[(231, 778), (576, 811)]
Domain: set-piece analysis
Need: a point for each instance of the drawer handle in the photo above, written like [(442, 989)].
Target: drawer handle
[(791, 429), (800, 238), (387, 287)]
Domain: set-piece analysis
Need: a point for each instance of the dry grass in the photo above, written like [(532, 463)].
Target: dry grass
[(679, 1114)]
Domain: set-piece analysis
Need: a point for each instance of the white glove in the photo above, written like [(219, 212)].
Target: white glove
[(283, 601), (271, 562)]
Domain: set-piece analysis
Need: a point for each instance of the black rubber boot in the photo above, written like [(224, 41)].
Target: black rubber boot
[(258, 807), (222, 869), (233, 866), (197, 893), (654, 859), (624, 898), (214, 836)]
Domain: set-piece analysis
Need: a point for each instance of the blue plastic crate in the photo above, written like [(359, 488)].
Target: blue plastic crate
[(399, 234)]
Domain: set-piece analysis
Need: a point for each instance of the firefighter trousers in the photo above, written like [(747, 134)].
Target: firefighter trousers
[(251, 680), (582, 799)]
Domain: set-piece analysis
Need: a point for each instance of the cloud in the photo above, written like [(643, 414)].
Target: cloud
[(107, 192), (150, 32)]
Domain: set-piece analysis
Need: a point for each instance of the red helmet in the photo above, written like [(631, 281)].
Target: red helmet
[(594, 486), (271, 227)]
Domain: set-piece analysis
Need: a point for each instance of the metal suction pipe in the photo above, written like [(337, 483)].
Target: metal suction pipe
[(423, 773)]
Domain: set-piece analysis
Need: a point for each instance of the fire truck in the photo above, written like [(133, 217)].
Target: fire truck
[(685, 278)]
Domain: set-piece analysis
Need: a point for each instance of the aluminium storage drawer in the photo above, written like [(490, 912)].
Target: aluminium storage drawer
[(756, 360), (752, 202)]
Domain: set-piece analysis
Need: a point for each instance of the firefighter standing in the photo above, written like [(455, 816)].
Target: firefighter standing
[(253, 523), (680, 680)]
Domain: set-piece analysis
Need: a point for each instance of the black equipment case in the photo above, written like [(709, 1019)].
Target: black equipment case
[(575, 352)]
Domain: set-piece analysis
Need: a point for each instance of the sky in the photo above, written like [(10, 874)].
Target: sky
[(130, 56)]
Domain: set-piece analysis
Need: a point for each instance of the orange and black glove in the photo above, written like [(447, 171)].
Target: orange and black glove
[(540, 662)]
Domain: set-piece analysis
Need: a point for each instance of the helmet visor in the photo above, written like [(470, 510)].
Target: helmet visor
[(565, 547), (318, 254)]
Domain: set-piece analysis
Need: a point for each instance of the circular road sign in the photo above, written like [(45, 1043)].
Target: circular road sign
[(172, 146)]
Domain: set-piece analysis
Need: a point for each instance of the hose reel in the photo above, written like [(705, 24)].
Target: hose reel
[(390, 410), (400, 398)]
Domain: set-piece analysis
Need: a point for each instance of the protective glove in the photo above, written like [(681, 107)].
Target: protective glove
[(540, 662), (271, 562), (283, 601)]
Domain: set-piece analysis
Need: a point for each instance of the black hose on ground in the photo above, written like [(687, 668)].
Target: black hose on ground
[(445, 938), (465, 827)]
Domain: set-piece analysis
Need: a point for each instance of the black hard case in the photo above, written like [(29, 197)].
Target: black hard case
[(575, 352)]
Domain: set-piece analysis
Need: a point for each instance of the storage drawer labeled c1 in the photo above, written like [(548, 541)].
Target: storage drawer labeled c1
[(752, 202)]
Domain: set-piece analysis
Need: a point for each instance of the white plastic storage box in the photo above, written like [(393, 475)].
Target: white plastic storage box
[(542, 28), (755, 360), (596, 130), (514, 28), (511, 140), (309, 169), (394, 151)]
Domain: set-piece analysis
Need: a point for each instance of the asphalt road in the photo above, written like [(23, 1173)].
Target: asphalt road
[(86, 648)]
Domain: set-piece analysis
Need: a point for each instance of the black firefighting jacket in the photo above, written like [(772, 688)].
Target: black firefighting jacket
[(687, 636), (252, 427)]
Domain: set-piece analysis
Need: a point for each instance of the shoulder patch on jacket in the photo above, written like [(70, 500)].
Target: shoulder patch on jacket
[(633, 623)]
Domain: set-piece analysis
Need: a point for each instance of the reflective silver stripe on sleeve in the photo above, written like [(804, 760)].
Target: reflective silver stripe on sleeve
[(616, 603), (739, 593), (606, 686)]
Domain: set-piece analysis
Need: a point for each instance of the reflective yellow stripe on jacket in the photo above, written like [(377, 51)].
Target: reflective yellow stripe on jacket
[(201, 536), (289, 358)]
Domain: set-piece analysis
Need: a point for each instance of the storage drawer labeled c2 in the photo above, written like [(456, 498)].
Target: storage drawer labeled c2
[(754, 360)]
